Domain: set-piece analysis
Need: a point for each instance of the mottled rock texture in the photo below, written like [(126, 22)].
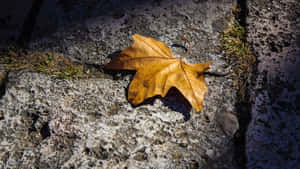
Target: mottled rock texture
[(273, 135), (47, 122)]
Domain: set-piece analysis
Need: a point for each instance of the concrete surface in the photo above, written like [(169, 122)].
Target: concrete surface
[(273, 135), (53, 123)]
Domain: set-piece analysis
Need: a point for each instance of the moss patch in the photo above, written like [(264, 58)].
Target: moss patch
[(238, 54), (50, 63)]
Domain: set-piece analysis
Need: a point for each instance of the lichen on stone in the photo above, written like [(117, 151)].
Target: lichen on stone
[(14, 58), (238, 53)]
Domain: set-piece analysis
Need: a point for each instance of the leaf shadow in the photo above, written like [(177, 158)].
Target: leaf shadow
[(179, 46), (117, 74), (114, 54), (177, 102), (174, 100)]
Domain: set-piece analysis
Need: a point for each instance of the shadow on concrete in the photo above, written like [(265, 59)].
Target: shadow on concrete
[(73, 12), (173, 100), (45, 17)]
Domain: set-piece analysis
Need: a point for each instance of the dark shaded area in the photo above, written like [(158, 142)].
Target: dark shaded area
[(244, 107), (75, 11), (242, 14), (34, 117), (3, 85), (114, 54), (45, 131), (177, 102), (224, 159), (173, 100), (244, 117), (273, 132), (179, 46), (29, 24)]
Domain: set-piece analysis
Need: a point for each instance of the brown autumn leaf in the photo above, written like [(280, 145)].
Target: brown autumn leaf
[(158, 70)]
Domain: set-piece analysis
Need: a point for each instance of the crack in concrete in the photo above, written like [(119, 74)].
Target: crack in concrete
[(244, 108), (3, 81)]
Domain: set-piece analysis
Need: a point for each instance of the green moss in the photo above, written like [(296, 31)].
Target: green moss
[(49, 63), (238, 54)]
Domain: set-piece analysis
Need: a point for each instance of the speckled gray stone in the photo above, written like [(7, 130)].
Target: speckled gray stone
[(88, 123), (273, 135)]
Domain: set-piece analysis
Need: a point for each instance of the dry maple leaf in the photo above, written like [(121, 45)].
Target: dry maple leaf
[(158, 70)]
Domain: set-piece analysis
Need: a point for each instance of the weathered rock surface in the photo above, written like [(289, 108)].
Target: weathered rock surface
[(273, 135), (88, 123)]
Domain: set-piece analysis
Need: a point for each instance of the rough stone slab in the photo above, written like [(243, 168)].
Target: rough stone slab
[(89, 123), (273, 135), (90, 32)]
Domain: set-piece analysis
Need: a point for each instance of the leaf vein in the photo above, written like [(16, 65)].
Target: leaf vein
[(154, 48)]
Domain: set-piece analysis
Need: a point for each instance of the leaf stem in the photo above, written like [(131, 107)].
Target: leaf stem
[(189, 42)]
